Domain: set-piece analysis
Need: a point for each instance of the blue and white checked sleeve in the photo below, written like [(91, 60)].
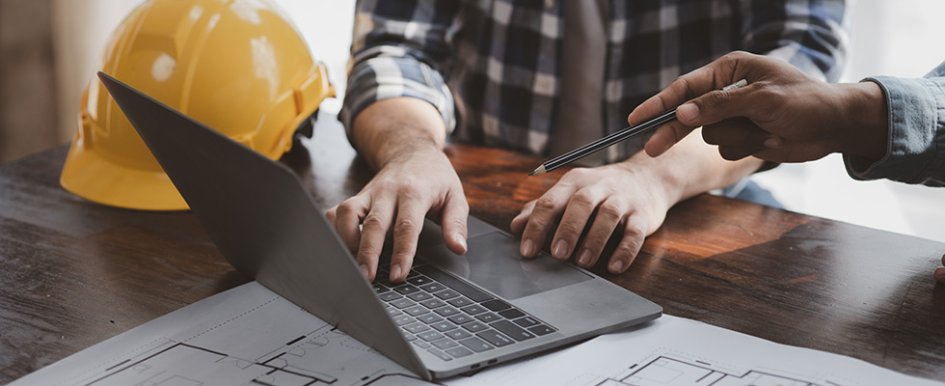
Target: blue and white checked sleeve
[(806, 33), (399, 48)]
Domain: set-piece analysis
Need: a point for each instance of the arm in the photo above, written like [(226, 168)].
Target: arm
[(398, 112)]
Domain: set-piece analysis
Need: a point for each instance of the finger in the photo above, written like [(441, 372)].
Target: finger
[(347, 218), (665, 137), (373, 230), (547, 209), (735, 153), (634, 233), (609, 215), (455, 217), (939, 275), (737, 132), (685, 87), (518, 223), (719, 105), (410, 213), (578, 210)]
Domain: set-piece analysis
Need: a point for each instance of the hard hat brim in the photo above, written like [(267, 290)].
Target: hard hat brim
[(88, 175)]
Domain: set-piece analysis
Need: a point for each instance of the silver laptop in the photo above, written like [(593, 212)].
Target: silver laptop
[(454, 314)]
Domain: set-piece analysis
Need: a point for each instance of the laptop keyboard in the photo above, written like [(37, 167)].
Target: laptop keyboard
[(450, 318)]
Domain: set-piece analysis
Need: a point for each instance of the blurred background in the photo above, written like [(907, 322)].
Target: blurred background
[(49, 49)]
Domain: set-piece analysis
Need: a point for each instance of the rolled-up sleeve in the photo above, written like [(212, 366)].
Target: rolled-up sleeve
[(915, 152), (399, 48), (806, 33)]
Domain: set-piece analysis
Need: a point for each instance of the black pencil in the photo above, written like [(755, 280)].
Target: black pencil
[(614, 137)]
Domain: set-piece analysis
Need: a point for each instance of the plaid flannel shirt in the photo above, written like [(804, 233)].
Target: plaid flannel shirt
[(491, 67)]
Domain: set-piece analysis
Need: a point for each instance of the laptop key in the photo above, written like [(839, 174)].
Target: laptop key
[(444, 344), (457, 334), (420, 343), (541, 329), (388, 296), (495, 338), (430, 336), (416, 328), (433, 287), (402, 303), (460, 318), (406, 289), (446, 294), (488, 317), (443, 326), (496, 305), (526, 322), (475, 326), (403, 320), (446, 311), (420, 296), (433, 303), (420, 280), (457, 285), (459, 352), (416, 310), (429, 318), (440, 354), (473, 309), (393, 311), (512, 314), (475, 344), (460, 301), (380, 289), (512, 330)]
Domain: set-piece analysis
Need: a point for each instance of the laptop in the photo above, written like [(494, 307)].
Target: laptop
[(454, 313)]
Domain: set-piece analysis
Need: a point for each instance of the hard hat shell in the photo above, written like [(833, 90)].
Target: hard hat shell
[(237, 66)]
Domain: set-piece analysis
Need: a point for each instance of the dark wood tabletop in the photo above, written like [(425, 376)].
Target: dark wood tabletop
[(73, 273)]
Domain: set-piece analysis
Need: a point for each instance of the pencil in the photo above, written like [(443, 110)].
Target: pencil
[(615, 137)]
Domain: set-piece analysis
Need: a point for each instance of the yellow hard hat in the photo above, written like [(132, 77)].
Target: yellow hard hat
[(238, 66)]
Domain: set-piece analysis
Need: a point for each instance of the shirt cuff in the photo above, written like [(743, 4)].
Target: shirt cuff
[(385, 77), (915, 108)]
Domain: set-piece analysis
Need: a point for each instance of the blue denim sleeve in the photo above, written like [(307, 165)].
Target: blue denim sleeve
[(916, 147)]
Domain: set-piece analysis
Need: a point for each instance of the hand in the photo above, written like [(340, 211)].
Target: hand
[(415, 179), (628, 200), (781, 115), (940, 272)]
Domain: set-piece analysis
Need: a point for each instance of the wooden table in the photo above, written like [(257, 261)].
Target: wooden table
[(73, 273)]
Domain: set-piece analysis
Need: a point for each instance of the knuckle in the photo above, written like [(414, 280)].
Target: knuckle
[(545, 203), (374, 220), (610, 211), (567, 229), (405, 226), (584, 198), (576, 173)]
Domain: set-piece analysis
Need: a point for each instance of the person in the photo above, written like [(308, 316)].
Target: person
[(884, 127), (544, 77)]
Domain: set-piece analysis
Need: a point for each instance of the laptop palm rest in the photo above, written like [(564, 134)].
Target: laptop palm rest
[(494, 263)]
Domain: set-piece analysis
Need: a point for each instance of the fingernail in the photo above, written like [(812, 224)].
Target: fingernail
[(561, 250), (459, 239), (616, 266), (585, 258), (940, 274), (364, 271), (527, 248), (773, 142), (687, 112), (395, 272)]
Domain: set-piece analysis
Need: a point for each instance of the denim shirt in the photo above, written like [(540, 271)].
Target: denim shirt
[(915, 152)]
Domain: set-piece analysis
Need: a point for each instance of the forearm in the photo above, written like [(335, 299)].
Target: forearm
[(692, 167), (396, 127)]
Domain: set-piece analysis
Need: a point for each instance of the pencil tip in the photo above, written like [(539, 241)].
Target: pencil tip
[(539, 170)]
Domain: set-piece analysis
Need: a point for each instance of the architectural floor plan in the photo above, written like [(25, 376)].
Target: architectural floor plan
[(250, 336)]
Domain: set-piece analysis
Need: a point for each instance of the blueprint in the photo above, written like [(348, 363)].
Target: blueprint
[(251, 336), (674, 351), (245, 336)]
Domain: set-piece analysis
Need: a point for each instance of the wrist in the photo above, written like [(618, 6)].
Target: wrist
[(663, 181), (864, 122), (396, 129)]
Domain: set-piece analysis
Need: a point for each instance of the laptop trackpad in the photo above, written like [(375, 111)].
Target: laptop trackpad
[(493, 262)]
